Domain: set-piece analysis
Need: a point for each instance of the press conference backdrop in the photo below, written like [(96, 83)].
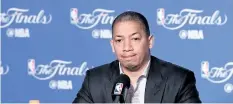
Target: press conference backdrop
[(48, 45)]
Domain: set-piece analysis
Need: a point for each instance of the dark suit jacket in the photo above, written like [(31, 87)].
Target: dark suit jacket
[(166, 83)]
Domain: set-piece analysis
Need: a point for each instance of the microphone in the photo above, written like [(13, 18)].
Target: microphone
[(119, 91)]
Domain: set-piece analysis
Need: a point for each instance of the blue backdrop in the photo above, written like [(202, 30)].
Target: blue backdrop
[(47, 45)]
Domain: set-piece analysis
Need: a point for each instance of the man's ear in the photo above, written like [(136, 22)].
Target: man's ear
[(151, 41), (111, 42)]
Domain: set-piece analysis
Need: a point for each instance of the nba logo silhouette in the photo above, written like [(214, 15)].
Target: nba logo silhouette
[(73, 15), (118, 88), (31, 66), (160, 16), (204, 69)]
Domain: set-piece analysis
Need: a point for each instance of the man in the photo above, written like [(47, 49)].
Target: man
[(152, 80)]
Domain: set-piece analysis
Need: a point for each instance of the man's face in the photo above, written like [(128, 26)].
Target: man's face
[(131, 44)]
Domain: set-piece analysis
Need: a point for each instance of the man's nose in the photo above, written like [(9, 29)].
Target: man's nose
[(127, 46)]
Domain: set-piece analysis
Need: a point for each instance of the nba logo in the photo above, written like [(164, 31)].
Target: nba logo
[(118, 88), (73, 15), (160, 16), (10, 32), (31, 66), (204, 69)]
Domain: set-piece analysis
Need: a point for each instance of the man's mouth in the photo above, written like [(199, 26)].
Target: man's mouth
[(128, 56)]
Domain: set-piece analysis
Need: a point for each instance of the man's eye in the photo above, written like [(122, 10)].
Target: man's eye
[(118, 40), (136, 39)]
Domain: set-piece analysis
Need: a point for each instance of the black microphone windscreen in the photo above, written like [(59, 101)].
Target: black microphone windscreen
[(121, 83)]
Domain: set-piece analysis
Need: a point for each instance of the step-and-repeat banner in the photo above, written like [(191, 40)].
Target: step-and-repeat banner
[(48, 45)]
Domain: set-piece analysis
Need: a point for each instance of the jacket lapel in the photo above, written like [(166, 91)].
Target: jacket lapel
[(112, 74), (155, 83)]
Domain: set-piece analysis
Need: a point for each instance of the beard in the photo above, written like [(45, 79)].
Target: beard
[(131, 67)]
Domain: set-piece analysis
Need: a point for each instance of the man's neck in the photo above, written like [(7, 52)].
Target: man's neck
[(134, 75)]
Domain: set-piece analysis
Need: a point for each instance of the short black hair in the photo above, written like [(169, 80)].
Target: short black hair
[(132, 16)]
